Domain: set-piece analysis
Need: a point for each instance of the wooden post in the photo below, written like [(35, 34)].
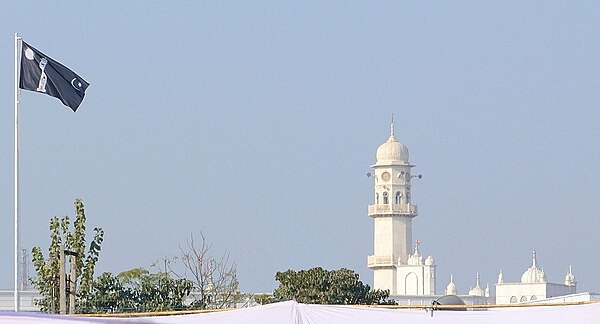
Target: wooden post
[(62, 277), (73, 286)]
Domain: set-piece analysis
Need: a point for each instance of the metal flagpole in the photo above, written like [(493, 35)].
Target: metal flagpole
[(17, 39)]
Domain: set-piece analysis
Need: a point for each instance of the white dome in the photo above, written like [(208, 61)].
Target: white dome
[(429, 261), (533, 274), (451, 288), (477, 291), (570, 278), (392, 151)]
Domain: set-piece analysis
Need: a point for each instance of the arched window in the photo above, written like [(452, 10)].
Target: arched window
[(513, 299), (385, 198), (523, 298), (398, 195), (377, 199), (533, 298), (411, 284)]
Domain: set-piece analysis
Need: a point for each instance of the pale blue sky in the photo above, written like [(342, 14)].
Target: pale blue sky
[(256, 122)]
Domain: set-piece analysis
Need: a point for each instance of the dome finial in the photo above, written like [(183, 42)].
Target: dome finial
[(534, 265), (392, 126), (417, 242)]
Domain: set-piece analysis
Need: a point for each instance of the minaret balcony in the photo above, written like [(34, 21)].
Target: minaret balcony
[(393, 209), (380, 261)]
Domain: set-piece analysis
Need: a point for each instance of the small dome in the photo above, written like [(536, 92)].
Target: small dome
[(416, 258), (451, 288), (533, 274), (570, 278), (477, 291), (429, 261)]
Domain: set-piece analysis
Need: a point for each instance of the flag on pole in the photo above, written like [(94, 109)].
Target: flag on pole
[(42, 74)]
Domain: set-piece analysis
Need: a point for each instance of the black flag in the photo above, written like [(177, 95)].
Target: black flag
[(40, 73)]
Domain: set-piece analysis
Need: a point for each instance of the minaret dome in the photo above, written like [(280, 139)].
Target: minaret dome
[(392, 152)]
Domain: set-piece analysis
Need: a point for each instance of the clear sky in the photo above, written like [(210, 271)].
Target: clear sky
[(255, 123)]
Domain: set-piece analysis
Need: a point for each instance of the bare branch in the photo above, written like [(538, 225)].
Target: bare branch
[(215, 280)]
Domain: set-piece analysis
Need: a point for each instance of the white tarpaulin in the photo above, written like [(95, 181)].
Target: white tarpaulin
[(294, 313)]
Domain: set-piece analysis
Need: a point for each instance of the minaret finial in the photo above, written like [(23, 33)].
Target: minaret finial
[(392, 127), (534, 265)]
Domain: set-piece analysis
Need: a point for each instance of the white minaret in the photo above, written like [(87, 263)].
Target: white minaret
[(392, 213)]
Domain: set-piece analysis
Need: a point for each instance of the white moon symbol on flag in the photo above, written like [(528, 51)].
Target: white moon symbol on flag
[(76, 86), (29, 54)]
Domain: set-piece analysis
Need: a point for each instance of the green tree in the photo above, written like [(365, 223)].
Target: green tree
[(263, 299), (157, 291), (107, 295), (136, 290), (47, 270), (320, 286)]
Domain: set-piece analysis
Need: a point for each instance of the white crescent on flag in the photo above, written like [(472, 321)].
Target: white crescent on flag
[(76, 84)]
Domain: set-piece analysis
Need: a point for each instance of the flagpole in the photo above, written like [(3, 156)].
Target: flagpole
[(17, 301)]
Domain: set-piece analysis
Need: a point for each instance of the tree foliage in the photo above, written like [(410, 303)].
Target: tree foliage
[(205, 283), (47, 270), (320, 286), (263, 299), (137, 290)]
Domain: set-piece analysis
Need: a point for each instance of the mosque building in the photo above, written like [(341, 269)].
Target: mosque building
[(397, 262), (533, 286)]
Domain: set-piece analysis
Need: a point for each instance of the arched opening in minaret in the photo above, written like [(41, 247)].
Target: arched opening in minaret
[(377, 198), (398, 196), (385, 198)]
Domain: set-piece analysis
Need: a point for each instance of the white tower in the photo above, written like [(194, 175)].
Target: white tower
[(392, 213)]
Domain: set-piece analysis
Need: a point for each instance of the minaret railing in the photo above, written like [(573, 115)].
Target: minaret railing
[(392, 209)]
